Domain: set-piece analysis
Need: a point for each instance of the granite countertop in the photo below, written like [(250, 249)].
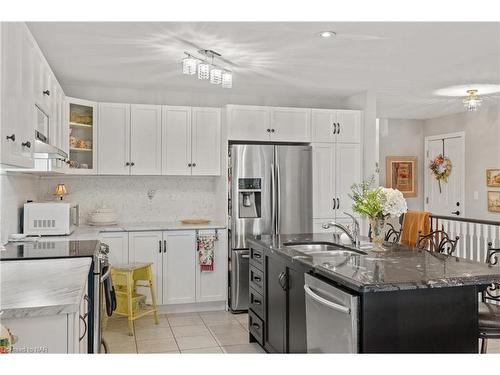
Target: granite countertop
[(42, 287), (397, 268)]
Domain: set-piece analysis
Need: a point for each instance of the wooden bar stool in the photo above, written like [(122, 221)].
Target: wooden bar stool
[(126, 279)]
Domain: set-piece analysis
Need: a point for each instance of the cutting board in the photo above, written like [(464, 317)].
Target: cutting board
[(195, 221)]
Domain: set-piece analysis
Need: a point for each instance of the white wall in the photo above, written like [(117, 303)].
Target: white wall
[(175, 197), (404, 138), (15, 190), (482, 151)]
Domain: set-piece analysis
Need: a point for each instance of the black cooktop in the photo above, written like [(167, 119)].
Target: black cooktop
[(45, 249)]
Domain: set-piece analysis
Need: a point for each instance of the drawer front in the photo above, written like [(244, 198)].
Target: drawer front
[(257, 280), (257, 302), (256, 327), (256, 258)]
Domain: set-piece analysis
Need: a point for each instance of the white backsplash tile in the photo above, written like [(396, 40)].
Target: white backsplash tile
[(173, 198)]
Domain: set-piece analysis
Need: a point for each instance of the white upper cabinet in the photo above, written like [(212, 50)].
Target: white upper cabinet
[(176, 141), (206, 141), (347, 172), (179, 260), (113, 139), (18, 111), (290, 124), (329, 125), (323, 180), (349, 126), (248, 123), (145, 139)]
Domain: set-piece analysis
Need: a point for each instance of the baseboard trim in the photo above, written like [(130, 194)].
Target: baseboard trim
[(193, 307)]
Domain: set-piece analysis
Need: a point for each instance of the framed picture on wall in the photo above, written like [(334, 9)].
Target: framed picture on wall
[(401, 174), (493, 177), (494, 201)]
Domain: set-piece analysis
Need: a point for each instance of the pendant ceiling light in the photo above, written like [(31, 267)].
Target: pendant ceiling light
[(207, 69), (472, 102)]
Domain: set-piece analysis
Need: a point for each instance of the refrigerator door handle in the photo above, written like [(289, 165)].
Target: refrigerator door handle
[(278, 199), (273, 199)]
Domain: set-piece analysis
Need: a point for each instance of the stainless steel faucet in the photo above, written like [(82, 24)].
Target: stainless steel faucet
[(353, 234)]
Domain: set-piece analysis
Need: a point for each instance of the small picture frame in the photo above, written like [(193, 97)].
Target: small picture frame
[(493, 201), (493, 177), (401, 174)]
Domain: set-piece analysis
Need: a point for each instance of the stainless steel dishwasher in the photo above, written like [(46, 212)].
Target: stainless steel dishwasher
[(332, 318)]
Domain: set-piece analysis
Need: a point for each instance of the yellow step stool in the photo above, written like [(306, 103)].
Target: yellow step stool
[(126, 279)]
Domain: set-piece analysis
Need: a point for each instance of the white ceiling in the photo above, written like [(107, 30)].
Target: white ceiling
[(403, 62)]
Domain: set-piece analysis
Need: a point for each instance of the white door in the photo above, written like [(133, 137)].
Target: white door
[(347, 172), (449, 200), (146, 247), (349, 126), (323, 180), (248, 123), (118, 246), (179, 260), (145, 139), (206, 141), (322, 125), (113, 139), (176, 140), (212, 285), (290, 124)]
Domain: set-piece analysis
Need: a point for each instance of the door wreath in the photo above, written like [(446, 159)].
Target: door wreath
[(441, 169)]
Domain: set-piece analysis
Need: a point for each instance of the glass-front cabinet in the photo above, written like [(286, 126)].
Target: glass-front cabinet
[(82, 122)]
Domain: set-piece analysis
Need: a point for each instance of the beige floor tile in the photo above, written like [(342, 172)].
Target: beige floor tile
[(177, 320), (218, 317), (118, 336), (244, 348), (214, 350), (232, 338), (153, 333), (148, 321), (231, 328), (163, 345), (186, 331), (196, 342), (121, 348)]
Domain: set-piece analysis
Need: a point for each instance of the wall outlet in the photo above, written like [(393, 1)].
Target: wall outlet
[(476, 195), (151, 194)]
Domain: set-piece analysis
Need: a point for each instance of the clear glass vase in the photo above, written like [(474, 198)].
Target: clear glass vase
[(377, 232)]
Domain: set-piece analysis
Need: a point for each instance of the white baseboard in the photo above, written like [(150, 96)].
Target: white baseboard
[(193, 307)]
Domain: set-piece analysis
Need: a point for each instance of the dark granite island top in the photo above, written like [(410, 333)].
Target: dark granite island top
[(397, 268)]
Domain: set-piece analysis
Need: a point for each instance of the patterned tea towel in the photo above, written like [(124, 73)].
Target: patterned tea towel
[(206, 245)]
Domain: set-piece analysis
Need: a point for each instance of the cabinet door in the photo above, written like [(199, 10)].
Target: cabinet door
[(350, 126), (118, 246), (18, 109), (323, 180), (296, 327), (179, 261), (176, 140), (145, 247), (212, 286), (322, 125), (206, 141), (113, 139), (347, 172), (275, 302), (248, 123), (290, 124), (145, 139)]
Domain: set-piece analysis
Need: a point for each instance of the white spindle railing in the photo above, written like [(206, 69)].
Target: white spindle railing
[(474, 235)]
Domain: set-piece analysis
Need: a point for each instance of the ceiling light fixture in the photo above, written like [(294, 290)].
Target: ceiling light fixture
[(207, 69), (472, 102), (327, 34)]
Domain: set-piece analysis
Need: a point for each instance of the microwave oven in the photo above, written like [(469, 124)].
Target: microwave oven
[(50, 218)]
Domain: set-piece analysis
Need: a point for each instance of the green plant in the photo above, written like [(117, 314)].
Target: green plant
[(367, 201)]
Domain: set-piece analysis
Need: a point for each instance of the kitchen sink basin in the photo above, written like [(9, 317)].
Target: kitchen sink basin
[(312, 248)]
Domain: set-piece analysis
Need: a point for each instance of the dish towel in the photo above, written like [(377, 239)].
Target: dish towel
[(415, 221), (206, 245)]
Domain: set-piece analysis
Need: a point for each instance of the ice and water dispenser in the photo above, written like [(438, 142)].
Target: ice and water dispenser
[(249, 197)]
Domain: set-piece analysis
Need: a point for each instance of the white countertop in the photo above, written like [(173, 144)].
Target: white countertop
[(87, 232), (42, 287)]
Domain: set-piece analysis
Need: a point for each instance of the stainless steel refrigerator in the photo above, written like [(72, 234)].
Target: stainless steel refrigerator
[(270, 193)]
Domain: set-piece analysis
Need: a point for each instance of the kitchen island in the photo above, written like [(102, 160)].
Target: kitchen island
[(410, 300)]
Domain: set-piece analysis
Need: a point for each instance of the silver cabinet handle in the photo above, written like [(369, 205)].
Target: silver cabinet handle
[(246, 256), (85, 324), (273, 199), (278, 200), (323, 301)]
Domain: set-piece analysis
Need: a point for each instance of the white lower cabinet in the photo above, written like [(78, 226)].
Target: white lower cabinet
[(177, 274)]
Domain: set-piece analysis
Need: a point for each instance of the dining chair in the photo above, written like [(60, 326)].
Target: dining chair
[(437, 241), (489, 307), (392, 235)]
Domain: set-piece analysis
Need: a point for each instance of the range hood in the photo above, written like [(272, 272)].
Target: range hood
[(45, 151), (47, 159)]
